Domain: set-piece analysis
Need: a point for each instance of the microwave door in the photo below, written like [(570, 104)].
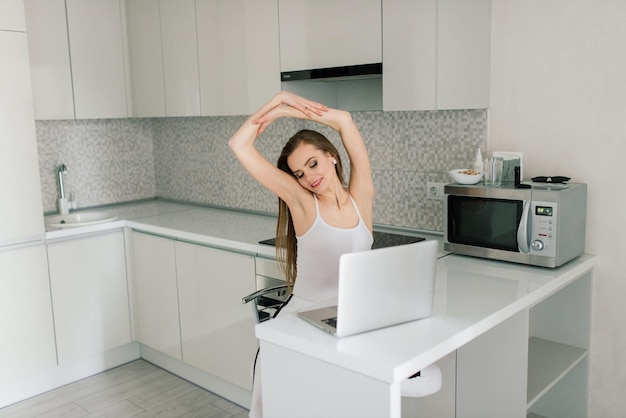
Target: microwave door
[(523, 232)]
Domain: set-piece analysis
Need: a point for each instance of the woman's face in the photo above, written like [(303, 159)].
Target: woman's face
[(313, 167)]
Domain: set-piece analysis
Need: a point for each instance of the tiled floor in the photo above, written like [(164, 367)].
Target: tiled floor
[(137, 389)]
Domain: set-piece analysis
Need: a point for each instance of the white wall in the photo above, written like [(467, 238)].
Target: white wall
[(559, 95)]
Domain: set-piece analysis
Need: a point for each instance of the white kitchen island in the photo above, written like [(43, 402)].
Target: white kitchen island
[(520, 335)]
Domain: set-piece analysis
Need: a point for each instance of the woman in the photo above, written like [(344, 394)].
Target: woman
[(319, 217)]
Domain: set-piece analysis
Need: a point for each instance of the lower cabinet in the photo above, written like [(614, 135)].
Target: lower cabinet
[(27, 342), (187, 305), (155, 293), (217, 331), (89, 295)]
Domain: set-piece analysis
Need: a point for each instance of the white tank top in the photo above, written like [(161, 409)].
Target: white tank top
[(319, 250)]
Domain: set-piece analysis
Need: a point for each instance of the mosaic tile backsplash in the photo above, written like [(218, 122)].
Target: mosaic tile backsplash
[(188, 159)]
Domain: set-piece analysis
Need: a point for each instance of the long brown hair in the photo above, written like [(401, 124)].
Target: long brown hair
[(286, 248)]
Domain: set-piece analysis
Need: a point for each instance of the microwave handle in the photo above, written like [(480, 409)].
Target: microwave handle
[(522, 230)]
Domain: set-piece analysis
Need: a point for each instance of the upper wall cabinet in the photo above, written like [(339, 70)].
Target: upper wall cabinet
[(202, 57), (163, 58), (179, 41), (145, 54), (238, 53), (12, 16), (436, 54), (318, 34), (49, 51), (329, 33), (77, 53), (97, 57)]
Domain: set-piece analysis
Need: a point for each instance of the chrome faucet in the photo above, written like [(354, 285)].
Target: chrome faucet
[(65, 204), (61, 171)]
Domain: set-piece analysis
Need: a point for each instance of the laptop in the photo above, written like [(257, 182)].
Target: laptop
[(380, 288)]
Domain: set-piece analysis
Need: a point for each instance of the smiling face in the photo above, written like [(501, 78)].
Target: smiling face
[(313, 167), (309, 155)]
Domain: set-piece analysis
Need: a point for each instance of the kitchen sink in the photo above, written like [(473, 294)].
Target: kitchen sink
[(77, 219)]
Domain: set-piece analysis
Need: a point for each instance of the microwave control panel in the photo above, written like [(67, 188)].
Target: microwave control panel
[(543, 219)]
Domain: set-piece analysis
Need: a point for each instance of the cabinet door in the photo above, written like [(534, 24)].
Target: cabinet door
[(49, 59), (217, 330), (27, 342), (89, 295), (410, 55), (436, 54), (329, 33), (21, 212), (155, 301), (463, 54), (12, 15), (238, 54), (97, 58), (180, 57), (145, 57)]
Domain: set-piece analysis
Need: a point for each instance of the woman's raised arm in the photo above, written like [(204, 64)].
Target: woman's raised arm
[(242, 142)]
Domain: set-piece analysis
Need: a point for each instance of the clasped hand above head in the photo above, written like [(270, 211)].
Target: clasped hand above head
[(289, 105)]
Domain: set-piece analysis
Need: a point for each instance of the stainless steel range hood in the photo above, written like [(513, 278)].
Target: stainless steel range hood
[(349, 72)]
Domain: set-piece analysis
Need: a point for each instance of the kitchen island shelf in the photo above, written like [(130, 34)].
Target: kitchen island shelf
[(548, 363)]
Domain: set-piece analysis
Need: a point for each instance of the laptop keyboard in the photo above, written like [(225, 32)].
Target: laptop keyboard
[(331, 321)]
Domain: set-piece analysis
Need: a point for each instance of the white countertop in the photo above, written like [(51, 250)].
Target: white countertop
[(225, 228), (472, 296), (239, 231)]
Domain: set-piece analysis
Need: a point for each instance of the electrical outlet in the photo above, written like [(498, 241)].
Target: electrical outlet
[(434, 190)]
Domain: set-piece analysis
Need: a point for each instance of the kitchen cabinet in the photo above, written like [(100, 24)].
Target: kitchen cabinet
[(26, 327), (163, 58), (12, 16), (145, 57), (89, 295), (21, 211), (211, 57), (180, 57), (558, 352), (217, 331), (329, 33), (322, 34), (97, 58), (77, 50), (49, 52), (436, 54), (238, 55), (155, 293)]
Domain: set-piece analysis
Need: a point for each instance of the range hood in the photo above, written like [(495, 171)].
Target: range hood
[(349, 72)]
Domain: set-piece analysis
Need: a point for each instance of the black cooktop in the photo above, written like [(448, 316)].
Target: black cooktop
[(381, 240)]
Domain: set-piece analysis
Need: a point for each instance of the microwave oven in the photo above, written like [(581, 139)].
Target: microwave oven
[(543, 225)]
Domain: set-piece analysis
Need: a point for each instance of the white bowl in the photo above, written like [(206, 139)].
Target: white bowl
[(460, 177)]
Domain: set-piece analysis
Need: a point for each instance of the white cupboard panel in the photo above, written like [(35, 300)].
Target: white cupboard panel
[(27, 342), (409, 55), (21, 211), (49, 59), (238, 55), (97, 58), (217, 330), (12, 15), (180, 57), (145, 58), (329, 33), (463, 57), (89, 295), (155, 303)]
